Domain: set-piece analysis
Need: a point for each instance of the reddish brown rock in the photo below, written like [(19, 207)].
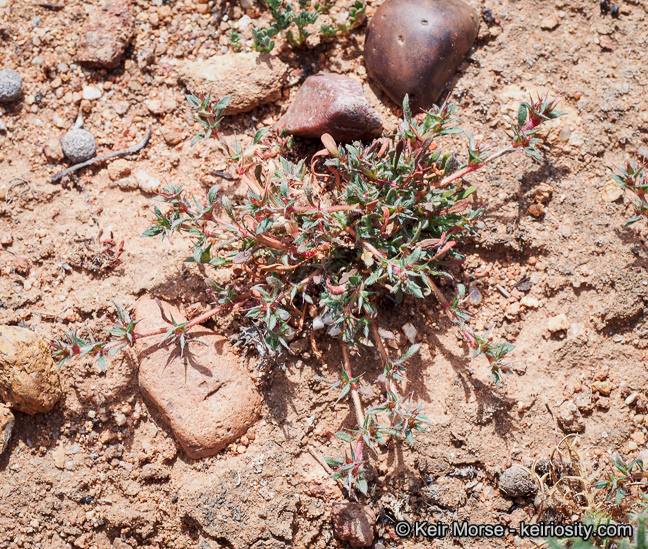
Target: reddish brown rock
[(53, 150), (333, 104), (205, 396), (414, 46), (21, 265), (29, 381), (172, 134), (105, 34), (353, 523)]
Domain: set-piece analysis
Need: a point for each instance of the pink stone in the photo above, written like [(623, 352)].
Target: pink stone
[(333, 104), (105, 34)]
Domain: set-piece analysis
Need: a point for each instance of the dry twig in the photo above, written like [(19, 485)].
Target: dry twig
[(114, 154)]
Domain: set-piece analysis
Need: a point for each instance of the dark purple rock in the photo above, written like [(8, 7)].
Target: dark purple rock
[(334, 104), (414, 46)]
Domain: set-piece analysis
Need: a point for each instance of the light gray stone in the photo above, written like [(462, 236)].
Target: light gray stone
[(79, 145), (10, 86)]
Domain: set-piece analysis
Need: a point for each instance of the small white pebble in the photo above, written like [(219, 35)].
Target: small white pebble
[(90, 93), (410, 332)]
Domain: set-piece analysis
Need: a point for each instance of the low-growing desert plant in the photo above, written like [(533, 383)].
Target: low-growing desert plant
[(320, 244), (284, 16), (640, 540), (621, 476), (633, 178)]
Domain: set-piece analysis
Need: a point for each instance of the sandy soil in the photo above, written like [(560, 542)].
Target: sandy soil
[(74, 477)]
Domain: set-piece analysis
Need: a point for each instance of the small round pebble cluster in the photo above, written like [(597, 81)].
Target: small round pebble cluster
[(10, 86), (79, 145)]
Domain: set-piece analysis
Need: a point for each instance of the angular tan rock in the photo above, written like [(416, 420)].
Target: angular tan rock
[(29, 381), (252, 79), (6, 426), (557, 323), (105, 34), (569, 417), (611, 192), (333, 104), (119, 169), (543, 192), (53, 150), (206, 397)]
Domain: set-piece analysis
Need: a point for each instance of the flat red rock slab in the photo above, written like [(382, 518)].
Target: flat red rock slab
[(105, 34), (205, 396), (333, 104)]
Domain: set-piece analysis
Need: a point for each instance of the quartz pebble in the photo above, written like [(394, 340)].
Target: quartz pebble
[(252, 79), (146, 182), (91, 93), (53, 150), (611, 192), (79, 145), (475, 295), (550, 22), (10, 86), (410, 333)]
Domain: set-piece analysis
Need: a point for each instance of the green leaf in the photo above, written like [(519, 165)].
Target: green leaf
[(223, 103), (468, 192), (344, 437), (218, 261), (211, 196), (265, 225), (409, 437), (332, 462), (406, 109), (361, 484), (152, 231), (193, 101), (227, 204), (258, 136), (522, 113), (410, 352)]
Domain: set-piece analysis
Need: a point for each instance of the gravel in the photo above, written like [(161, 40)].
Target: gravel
[(10, 86), (79, 145)]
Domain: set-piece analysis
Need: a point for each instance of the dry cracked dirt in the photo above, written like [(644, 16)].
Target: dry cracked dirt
[(560, 275)]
